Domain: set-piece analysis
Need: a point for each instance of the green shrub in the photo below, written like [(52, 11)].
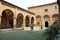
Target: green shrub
[(52, 31)]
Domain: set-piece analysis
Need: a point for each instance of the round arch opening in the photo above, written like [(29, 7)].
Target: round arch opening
[(55, 17), (20, 20), (27, 22), (32, 20), (46, 17), (7, 19)]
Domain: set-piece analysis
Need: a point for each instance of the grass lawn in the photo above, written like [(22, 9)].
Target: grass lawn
[(22, 35)]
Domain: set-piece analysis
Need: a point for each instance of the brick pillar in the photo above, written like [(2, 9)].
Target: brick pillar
[(14, 23)]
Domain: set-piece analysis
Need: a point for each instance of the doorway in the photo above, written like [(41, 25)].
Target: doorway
[(46, 24)]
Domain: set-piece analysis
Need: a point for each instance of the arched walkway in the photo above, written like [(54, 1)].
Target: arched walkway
[(7, 19), (46, 24), (27, 21), (20, 20)]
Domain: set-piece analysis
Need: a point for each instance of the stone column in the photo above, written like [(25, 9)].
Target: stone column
[(35, 22), (14, 23), (29, 21), (23, 23), (43, 22), (58, 1), (51, 20)]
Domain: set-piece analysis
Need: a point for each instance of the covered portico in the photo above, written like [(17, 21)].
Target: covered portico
[(11, 16)]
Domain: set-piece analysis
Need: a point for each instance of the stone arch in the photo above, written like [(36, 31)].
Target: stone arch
[(32, 20), (20, 20), (27, 21), (7, 18), (38, 18), (55, 17), (46, 17)]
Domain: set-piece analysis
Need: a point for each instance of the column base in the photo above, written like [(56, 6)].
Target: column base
[(23, 28), (14, 28)]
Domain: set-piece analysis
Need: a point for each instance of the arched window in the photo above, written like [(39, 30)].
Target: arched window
[(55, 17), (46, 17), (38, 18)]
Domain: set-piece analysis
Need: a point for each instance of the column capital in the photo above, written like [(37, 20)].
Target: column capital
[(14, 18)]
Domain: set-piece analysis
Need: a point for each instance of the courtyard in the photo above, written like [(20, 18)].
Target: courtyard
[(23, 35), (16, 23)]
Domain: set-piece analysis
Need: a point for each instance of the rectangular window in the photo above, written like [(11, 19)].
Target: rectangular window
[(46, 10), (55, 7)]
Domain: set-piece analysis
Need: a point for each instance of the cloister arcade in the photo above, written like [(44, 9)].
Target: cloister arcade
[(7, 20), (12, 16)]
